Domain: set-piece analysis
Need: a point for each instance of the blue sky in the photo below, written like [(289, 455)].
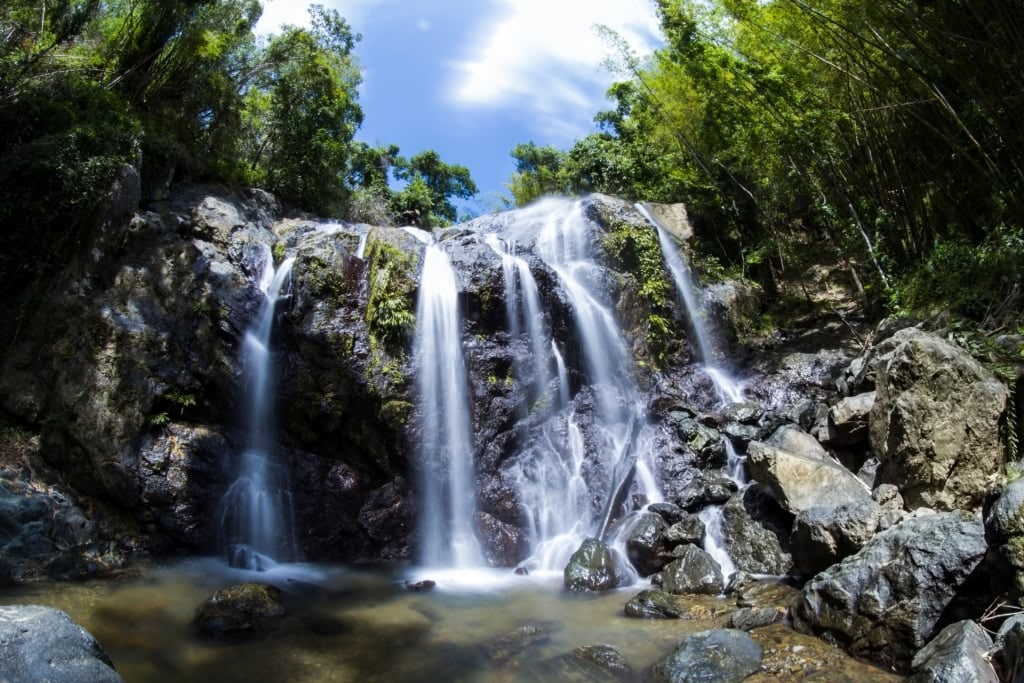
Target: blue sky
[(472, 79)]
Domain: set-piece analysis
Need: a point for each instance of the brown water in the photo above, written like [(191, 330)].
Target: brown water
[(348, 625)]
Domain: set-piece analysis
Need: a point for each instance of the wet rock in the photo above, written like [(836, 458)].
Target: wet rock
[(958, 653), (1004, 531), (44, 644), (689, 529), (245, 608), (935, 423), (756, 532), (693, 572), (884, 602), (653, 604), (1010, 653), (703, 441), (646, 546), (799, 482), (748, 618), (505, 545), (746, 412), (604, 658), (823, 536), (595, 566), (669, 512), (717, 656), (506, 646)]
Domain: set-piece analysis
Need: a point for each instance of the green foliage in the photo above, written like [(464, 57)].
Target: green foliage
[(636, 250), (61, 144), (389, 314)]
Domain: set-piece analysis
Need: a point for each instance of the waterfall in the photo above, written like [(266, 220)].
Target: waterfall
[(728, 389), (257, 509), (572, 480), (445, 449)]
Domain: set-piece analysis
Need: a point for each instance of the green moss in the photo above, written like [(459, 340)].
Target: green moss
[(322, 278), (635, 250), (389, 308), (396, 412)]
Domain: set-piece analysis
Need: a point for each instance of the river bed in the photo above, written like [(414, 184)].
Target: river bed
[(348, 624)]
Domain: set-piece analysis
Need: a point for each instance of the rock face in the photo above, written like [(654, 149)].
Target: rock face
[(1004, 531), (935, 423), (823, 536), (717, 656), (884, 602), (44, 644)]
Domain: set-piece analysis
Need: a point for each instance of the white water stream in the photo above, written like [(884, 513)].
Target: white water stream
[(257, 517)]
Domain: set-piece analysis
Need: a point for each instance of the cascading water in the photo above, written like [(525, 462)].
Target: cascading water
[(552, 474), (729, 391), (446, 450), (257, 508)]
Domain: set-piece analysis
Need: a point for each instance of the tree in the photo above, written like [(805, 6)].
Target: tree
[(302, 113), (431, 186)]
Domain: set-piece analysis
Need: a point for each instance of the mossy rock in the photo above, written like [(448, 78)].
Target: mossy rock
[(244, 608)]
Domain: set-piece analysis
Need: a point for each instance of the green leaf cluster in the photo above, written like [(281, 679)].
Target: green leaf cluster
[(882, 135), (389, 309)]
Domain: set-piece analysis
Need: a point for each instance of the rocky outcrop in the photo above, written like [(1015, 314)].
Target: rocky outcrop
[(935, 423), (885, 602), (756, 532), (44, 644)]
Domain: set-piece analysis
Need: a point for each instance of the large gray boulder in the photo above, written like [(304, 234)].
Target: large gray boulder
[(716, 656), (798, 481), (884, 602), (958, 653), (646, 545), (823, 536), (44, 644), (935, 424)]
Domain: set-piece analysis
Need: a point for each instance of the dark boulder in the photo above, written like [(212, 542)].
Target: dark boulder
[(885, 602), (756, 532), (595, 566), (694, 571), (646, 546), (958, 653)]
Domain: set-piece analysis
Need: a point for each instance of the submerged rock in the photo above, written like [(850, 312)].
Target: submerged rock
[(245, 608), (587, 664), (506, 646), (44, 644), (717, 656), (595, 566)]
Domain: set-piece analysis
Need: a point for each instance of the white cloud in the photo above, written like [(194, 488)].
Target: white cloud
[(279, 12), (544, 58), (423, 25)]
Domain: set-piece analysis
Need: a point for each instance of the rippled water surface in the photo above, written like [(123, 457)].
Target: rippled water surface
[(363, 625)]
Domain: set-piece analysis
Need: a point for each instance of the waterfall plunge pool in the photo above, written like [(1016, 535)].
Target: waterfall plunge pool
[(363, 624)]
